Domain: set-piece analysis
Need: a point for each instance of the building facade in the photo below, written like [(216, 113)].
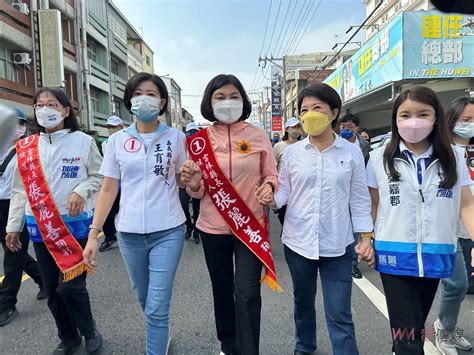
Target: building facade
[(423, 47), (174, 116), (388, 11), (98, 50)]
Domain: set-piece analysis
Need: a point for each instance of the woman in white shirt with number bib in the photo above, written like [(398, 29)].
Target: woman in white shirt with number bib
[(145, 158)]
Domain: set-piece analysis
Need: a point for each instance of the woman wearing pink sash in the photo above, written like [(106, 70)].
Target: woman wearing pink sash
[(244, 154)]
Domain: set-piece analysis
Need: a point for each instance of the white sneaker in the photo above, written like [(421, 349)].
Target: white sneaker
[(459, 341), (444, 339)]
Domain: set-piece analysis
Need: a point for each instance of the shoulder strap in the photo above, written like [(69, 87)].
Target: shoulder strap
[(7, 160)]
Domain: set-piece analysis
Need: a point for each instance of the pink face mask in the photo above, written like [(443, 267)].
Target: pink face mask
[(414, 130)]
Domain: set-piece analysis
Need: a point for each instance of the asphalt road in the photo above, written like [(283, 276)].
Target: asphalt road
[(122, 324)]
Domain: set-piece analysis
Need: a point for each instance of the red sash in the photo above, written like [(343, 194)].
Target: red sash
[(233, 209), (63, 247)]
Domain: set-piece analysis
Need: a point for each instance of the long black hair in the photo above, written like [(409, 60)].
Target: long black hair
[(456, 109), (70, 120), (439, 136)]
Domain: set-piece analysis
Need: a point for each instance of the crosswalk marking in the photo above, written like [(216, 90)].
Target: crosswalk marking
[(378, 299), (23, 278)]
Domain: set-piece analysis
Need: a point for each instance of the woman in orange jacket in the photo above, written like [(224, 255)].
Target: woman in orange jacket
[(231, 158)]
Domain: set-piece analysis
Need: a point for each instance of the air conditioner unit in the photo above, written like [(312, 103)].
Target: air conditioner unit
[(21, 58), (22, 7)]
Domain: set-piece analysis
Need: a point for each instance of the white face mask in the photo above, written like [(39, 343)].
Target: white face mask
[(48, 117), (464, 130), (20, 131), (146, 108), (228, 111)]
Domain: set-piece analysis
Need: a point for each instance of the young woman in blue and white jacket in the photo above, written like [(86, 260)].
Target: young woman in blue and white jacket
[(419, 185)]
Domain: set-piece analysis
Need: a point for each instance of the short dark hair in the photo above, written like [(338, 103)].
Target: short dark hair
[(216, 83), (439, 137), (350, 117), (326, 94), (456, 109), (70, 121), (364, 129), (139, 78)]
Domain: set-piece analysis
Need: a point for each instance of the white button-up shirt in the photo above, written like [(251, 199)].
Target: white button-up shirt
[(327, 197)]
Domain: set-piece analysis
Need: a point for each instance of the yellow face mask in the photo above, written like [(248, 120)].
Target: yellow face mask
[(315, 122)]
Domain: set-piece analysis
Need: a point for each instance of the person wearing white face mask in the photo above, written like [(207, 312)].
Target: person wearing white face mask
[(291, 136), (54, 188), (420, 186), (14, 263), (460, 119), (145, 158), (231, 158)]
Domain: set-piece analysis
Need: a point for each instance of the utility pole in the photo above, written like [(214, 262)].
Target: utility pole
[(260, 103), (282, 66)]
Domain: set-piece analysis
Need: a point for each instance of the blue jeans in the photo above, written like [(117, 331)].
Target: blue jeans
[(152, 260), (453, 290), (336, 282)]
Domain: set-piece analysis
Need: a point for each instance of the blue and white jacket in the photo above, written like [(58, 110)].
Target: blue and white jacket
[(71, 163), (417, 225)]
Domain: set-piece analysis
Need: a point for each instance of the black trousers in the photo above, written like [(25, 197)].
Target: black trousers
[(109, 225), (237, 300), (184, 199), (68, 301), (14, 263), (409, 301), (466, 246), (281, 214)]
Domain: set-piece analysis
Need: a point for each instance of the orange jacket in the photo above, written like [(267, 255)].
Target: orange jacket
[(245, 156)]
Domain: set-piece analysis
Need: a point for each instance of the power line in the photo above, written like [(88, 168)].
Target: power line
[(263, 43), (287, 28), (283, 25), (301, 25), (295, 27), (349, 40), (266, 27), (307, 26), (274, 27)]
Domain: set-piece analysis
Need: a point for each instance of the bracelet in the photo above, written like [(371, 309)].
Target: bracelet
[(369, 235), (98, 229)]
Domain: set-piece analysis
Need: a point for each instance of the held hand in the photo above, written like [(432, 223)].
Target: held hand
[(75, 205), (366, 251), (12, 240), (90, 251), (191, 175), (264, 195)]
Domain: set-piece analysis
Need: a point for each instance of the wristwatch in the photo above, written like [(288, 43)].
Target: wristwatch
[(369, 235)]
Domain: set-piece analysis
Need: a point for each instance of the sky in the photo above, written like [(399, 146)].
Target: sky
[(195, 40)]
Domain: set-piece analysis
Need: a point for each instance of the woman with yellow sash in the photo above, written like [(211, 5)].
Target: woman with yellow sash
[(54, 186)]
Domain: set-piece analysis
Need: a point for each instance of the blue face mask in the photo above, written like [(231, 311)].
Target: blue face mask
[(346, 133), (146, 108), (276, 140)]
